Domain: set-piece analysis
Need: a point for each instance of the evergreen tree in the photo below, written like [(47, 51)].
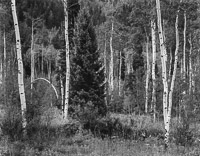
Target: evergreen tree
[(87, 78)]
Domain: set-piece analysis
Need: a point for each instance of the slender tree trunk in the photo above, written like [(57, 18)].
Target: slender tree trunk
[(167, 101), (153, 34), (180, 92), (20, 68), (42, 64), (190, 68), (67, 60), (105, 73), (170, 66), (39, 65), (61, 91), (163, 61), (1, 72), (120, 72), (147, 76), (32, 62), (5, 66), (111, 73), (49, 70), (184, 54), (1, 59), (128, 61), (173, 79), (184, 46)]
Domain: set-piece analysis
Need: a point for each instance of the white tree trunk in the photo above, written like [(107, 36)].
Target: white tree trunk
[(49, 70), (163, 61), (42, 64), (20, 67), (111, 73), (153, 34), (184, 54), (167, 101), (32, 62), (105, 73), (61, 91), (67, 61), (1, 60), (170, 66), (173, 79), (191, 82), (184, 47), (4, 66), (32, 58), (1, 71), (147, 76), (120, 72)]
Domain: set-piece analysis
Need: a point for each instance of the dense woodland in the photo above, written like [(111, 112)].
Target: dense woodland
[(100, 71)]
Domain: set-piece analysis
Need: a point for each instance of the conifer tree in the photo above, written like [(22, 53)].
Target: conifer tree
[(86, 74)]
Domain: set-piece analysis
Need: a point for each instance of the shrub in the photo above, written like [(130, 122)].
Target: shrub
[(183, 136), (11, 123), (71, 128)]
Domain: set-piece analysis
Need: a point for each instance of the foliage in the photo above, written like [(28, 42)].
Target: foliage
[(11, 125), (116, 104), (89, 31), (183, 136), (86, 76)]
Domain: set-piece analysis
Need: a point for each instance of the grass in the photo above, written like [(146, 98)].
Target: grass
[(87, 145), (90, 146)]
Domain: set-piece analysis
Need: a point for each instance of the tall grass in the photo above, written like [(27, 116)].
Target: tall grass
[(96, 147)]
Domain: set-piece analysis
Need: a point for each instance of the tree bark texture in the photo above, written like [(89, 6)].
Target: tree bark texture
[(120, 72), (20, 67), (111, 73), (167, 95), (153, 34), (67, 61), (147, 76), (4, 66)]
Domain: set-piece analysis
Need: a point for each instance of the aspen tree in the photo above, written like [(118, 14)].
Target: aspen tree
[(170, 65), (4, 65), (153, 34), (147, 76), (105, 73), (163, 61), (32, 59), (42, 64), (20, 67), (190, 67), (111, 73), (61, 91), (67, 61), (172, 80), (184, 48), (167, 101), (1, 71), (1, 63), (120, 72), (49, 69)]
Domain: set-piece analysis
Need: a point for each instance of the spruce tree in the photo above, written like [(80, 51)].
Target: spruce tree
[(87, 78)]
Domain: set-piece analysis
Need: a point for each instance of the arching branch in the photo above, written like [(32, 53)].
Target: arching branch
[(54, 88)]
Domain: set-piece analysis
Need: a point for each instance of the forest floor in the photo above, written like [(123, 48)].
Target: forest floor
[(90, 146)]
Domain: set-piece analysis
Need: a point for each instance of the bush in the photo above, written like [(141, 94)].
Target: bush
[(102, 127), (124, 126), (11, 123), (141, 123), (183, 136), (71, 128)]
